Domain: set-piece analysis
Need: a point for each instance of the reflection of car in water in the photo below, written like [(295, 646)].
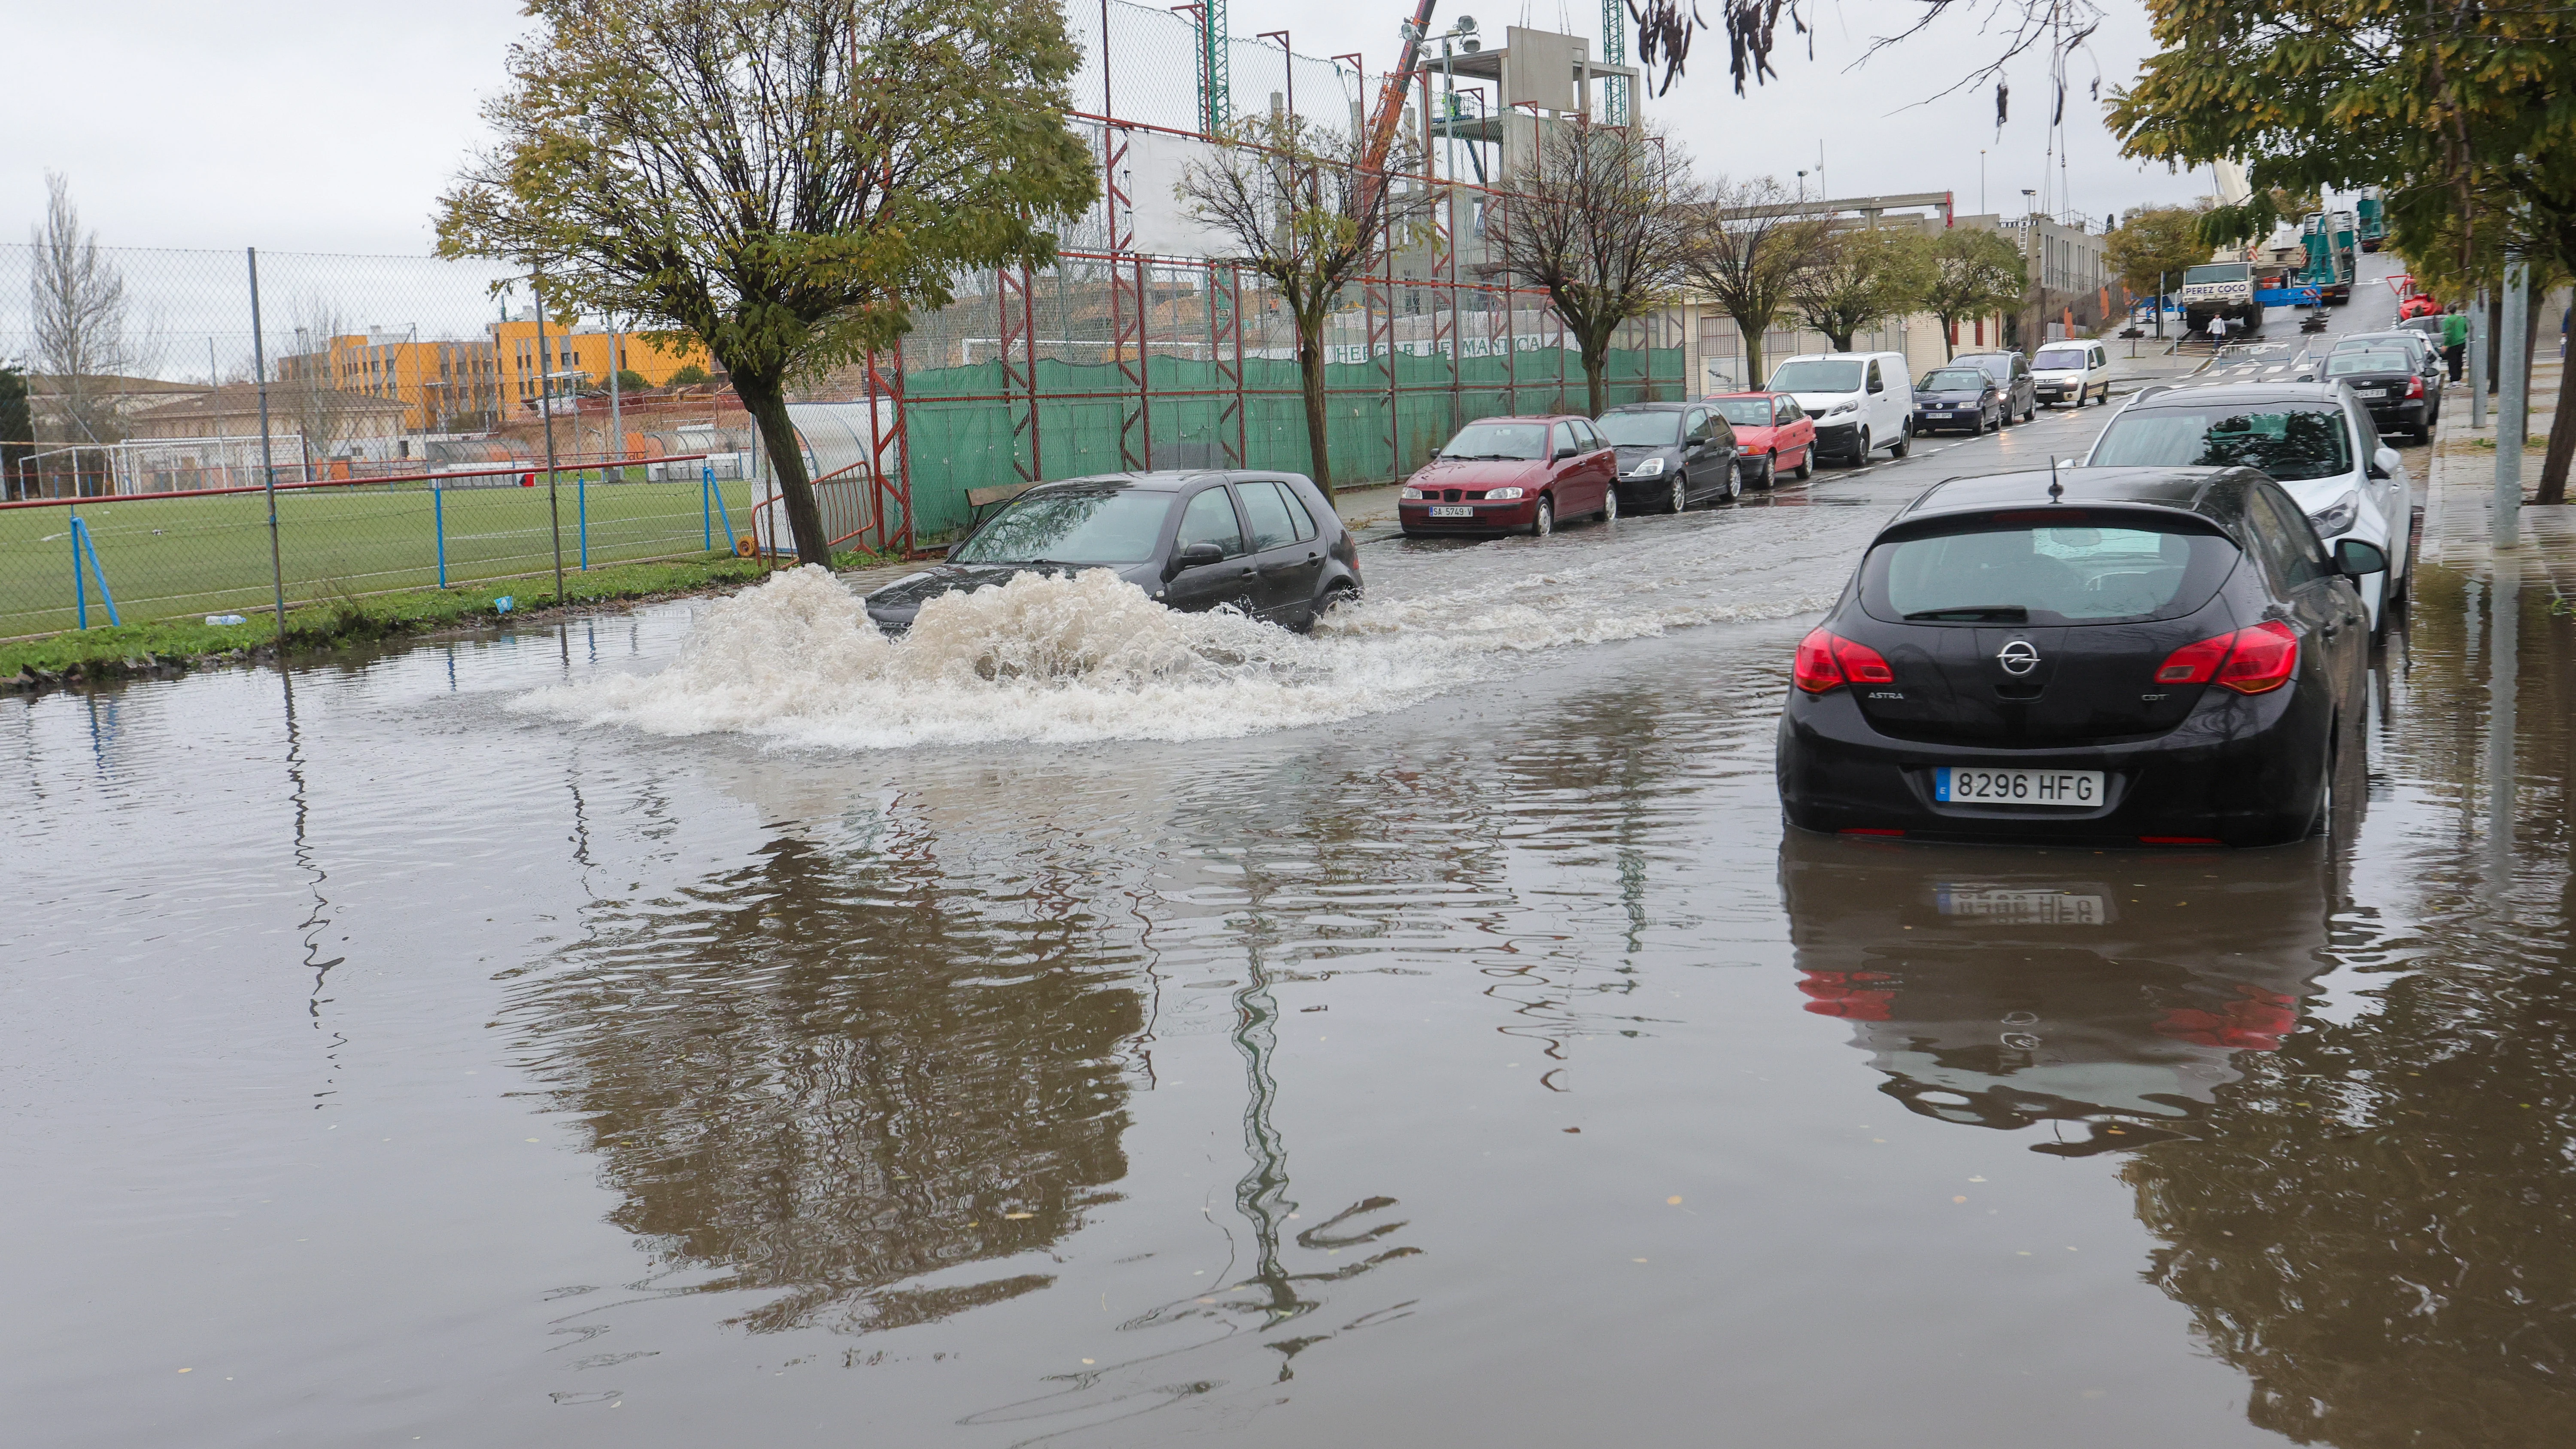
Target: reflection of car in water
[(2006, 988)]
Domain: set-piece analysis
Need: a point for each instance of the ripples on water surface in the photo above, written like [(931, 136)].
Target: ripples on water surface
[(1416, 1034)]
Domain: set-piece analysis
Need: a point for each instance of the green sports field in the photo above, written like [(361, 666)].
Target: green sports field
[(170, 557)]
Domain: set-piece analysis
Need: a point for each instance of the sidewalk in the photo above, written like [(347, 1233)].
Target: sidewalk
[(2459, 492)]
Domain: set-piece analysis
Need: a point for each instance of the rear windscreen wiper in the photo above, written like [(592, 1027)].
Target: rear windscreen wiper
[(1977, 613)]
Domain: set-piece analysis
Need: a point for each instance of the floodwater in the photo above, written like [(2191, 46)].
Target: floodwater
[(1137, 1031)]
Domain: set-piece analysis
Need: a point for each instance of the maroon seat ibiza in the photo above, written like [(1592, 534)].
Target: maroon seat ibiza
[(1512, 475)]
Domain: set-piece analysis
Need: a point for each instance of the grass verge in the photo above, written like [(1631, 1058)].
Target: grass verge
[(174, 646)]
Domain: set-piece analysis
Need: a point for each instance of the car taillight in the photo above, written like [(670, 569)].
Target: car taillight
[(2265, 658), (1861, 664), (2195, 663), (1827, 661), (1815, 670), (2415, 386)]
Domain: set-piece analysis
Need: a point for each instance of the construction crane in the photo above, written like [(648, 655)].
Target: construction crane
[(1390, 101)]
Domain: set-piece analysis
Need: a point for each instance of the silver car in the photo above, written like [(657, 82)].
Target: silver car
[(2315, 439)]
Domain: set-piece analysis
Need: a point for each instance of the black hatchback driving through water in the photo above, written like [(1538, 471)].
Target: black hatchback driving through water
[(1266, 544), (2106, 656)]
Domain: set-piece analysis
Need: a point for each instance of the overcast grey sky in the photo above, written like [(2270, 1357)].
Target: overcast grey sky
[(309, 126)]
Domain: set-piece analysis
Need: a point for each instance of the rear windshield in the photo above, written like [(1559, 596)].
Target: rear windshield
[(2123, 568), (1744, 412), (2290, 442), (1640, 429), (2344, 364), (1817, 376)]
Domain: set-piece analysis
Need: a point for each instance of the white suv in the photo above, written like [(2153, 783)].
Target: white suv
[(2072, 371), (2314, 439)]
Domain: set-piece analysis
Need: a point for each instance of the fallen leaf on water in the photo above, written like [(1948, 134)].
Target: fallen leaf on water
[(1015, 1217), (1636, 1260), (1673, 1201), (1958, 1199), (1976, 1179)]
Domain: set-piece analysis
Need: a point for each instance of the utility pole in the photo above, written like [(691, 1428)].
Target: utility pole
[(267, 462), (2512, 402), (546, 401)]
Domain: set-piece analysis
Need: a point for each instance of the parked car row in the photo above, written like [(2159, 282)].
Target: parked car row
[(1527, 474)]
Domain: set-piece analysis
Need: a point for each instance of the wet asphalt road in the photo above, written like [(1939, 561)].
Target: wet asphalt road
[(1422, 1034)]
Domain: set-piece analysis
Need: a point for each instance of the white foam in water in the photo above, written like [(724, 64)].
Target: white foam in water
[(1091, 657)]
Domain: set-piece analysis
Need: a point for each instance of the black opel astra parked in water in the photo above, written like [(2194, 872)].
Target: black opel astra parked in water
[(2107, 656)]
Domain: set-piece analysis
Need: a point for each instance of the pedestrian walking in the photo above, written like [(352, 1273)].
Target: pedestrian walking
[(2218, 331), (2455, 338)]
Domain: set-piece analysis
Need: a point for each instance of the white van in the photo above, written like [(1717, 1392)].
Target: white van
[(2072, 371), (1860, 401)]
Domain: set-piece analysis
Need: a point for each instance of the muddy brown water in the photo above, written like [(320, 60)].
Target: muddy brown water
[(385, 1063)]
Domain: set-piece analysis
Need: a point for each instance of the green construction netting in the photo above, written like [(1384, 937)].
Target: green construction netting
[(959, 426)]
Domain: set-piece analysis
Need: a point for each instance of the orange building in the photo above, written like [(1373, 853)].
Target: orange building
[(583, 358), (444, 385)]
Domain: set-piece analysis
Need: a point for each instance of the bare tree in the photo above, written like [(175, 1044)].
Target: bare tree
[(1748, 245), (81, 323), (1858, 279), (1299, 205), (1599, 218), (306, 394)]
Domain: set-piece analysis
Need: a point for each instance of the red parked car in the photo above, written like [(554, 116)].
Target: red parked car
[(1771, 433), (1512, 475)]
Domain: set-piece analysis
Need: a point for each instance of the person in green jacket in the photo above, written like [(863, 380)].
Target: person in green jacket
[(2455, 338)]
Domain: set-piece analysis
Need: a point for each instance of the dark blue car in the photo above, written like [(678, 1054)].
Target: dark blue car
[(1960, 397)]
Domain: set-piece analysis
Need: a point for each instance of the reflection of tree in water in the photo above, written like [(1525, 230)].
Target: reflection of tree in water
[(2375, 1225), (834, 1074)]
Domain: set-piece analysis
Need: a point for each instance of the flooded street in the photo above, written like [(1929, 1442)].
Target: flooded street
[(1416, 1034)]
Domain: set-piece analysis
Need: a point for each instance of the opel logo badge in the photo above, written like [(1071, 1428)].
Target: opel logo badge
[(2018, 657)]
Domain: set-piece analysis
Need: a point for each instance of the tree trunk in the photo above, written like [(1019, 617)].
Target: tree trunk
[(1752, 352), (1949, 338), (2495, 338), (766, 401), (1310, 381), (2562, 445), (1841, 340), (1596, 371)]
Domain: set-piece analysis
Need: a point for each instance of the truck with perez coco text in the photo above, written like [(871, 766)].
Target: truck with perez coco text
[(2220, 289)]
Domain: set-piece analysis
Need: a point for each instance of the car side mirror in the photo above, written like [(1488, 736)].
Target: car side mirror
[(1196, 556), (2383, 463), (2359, 558), (1563, 453)]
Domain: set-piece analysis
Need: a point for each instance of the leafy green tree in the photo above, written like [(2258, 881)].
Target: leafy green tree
[(783, 180), (2153, 246), (2437, 105), (1600, 219), (1975, 273), (1298, 208), (1855, 280)]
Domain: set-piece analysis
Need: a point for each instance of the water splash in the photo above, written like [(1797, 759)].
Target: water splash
[(1090, 657)]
